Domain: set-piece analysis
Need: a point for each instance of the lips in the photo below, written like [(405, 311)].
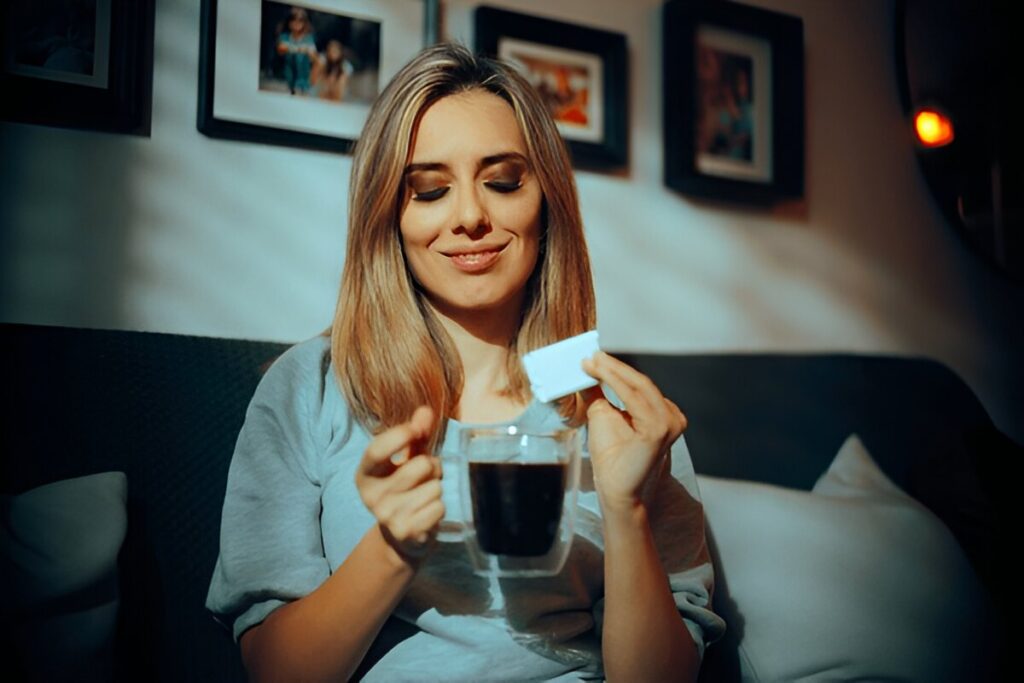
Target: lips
[(475, 261)]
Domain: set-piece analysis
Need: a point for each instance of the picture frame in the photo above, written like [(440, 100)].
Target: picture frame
[(733, 101), (86, 66), (266, 78), (580, 71)]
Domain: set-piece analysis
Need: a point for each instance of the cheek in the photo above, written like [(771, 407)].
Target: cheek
[(522, 216), (417, 265), (415, 240), (417, 226), (532, 232), (530, 238)]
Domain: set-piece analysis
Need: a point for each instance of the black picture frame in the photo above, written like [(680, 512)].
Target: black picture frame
[(401, 36), (116, 96), (602, 141), (705, 43)]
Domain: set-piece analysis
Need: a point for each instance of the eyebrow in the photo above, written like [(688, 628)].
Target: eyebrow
[(484, 163)]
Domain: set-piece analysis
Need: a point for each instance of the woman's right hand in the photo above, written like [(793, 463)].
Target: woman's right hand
[(401, 486), (324, 635)]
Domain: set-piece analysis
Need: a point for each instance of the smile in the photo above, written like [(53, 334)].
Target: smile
[(476, 261)]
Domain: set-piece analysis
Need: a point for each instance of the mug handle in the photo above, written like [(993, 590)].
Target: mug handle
[(452, 528)]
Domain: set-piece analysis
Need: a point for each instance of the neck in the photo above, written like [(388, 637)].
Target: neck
[(482, 339)]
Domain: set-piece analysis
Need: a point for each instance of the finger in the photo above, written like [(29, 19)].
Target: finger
[(679, 415), (638, 403), (386, 444), (609, 369), (395, 506), (629, 375), (652, 417), (662, 414), (397, 439), (413, 473), (405, 523), (416, 499), (424, 522), (422, 422), (596, 368)]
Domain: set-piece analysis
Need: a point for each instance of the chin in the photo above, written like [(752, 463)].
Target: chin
[(476, 304)]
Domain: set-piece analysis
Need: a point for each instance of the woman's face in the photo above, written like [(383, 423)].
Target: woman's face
[(471, 216)]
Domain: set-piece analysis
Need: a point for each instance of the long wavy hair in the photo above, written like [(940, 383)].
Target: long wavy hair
[(390, 351)]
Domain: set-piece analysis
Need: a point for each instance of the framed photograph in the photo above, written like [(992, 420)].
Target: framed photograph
[(83, 64), (579, 71), (300, 74), (734, 101)]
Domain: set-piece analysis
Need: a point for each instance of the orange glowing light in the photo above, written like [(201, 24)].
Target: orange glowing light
[(933, 128)]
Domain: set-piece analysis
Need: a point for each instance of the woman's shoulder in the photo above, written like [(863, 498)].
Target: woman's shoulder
[(304, 351), (300, 363), (301, 382), (300, 389)]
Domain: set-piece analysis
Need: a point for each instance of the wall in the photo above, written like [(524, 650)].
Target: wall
[(187, 234)]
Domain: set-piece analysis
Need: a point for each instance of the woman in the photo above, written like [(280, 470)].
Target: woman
[(465, 251)]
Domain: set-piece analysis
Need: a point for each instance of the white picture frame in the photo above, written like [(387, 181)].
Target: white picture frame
[(232, 104)]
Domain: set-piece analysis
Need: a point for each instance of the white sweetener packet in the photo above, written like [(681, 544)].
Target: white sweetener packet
[(556, 370)]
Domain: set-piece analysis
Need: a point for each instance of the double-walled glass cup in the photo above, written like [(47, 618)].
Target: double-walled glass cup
[(518, 497)]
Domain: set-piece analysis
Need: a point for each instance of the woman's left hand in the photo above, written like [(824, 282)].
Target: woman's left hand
[(627, 447)]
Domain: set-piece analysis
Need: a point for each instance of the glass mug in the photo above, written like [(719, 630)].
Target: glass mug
[(517, 498)]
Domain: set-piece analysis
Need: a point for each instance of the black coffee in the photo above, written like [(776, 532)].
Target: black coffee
[(516, 507)]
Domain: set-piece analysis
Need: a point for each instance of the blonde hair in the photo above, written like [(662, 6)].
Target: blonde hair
[(389, 349)]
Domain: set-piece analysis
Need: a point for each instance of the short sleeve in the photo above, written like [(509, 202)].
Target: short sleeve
[(271, 549), (679, 533)]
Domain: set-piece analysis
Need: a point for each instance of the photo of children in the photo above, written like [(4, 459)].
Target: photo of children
[(725, 126), (732, 118), (316, 54)]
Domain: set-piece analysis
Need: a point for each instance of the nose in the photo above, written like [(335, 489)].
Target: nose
[(471, 215)]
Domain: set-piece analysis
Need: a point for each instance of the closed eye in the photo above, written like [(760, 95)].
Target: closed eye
[(430, 195), (504, 186)]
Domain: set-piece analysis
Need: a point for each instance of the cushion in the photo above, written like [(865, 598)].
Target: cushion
[(58, 569), (853, 580)]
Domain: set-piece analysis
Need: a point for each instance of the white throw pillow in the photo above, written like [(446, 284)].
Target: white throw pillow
[(59, 575), (854, 580)]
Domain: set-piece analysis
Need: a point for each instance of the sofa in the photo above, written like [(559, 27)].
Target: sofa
[(165, 410)]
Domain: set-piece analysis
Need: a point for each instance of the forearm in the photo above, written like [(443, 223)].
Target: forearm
[(325, 635), (644, 637)]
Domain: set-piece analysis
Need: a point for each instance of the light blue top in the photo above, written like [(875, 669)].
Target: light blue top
[(292, 515)]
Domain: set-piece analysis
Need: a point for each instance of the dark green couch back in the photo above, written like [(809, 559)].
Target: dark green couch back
[(166, 410)]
